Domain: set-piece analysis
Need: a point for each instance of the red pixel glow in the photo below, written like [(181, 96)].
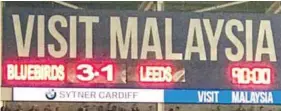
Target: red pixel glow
[(251, 74), (53, 73), (155, 74), (89, 72), (248, 76), (34, 72)]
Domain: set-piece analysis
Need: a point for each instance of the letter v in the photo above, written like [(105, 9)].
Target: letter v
[(23, 47)]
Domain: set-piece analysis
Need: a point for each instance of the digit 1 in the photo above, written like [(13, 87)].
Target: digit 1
[(109, 70)]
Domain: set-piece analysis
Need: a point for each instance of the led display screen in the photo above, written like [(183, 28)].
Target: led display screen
[(126, 49)]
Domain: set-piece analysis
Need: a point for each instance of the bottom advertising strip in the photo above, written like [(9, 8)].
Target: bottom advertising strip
[(147, 95), (88, 95)]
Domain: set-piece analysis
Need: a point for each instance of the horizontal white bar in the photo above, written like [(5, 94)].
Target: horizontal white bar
[(88, 95)]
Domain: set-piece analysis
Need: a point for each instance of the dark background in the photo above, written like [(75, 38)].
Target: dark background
[(199, 74)]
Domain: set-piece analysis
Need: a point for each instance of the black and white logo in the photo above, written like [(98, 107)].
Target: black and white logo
[(51, 94)]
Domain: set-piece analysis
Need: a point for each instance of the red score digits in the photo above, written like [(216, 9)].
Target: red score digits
[(87, 72)]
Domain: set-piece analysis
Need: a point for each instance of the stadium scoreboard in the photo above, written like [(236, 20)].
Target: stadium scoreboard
[(224, 55)]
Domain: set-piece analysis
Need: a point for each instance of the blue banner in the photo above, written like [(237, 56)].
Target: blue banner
[(222, 96)]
